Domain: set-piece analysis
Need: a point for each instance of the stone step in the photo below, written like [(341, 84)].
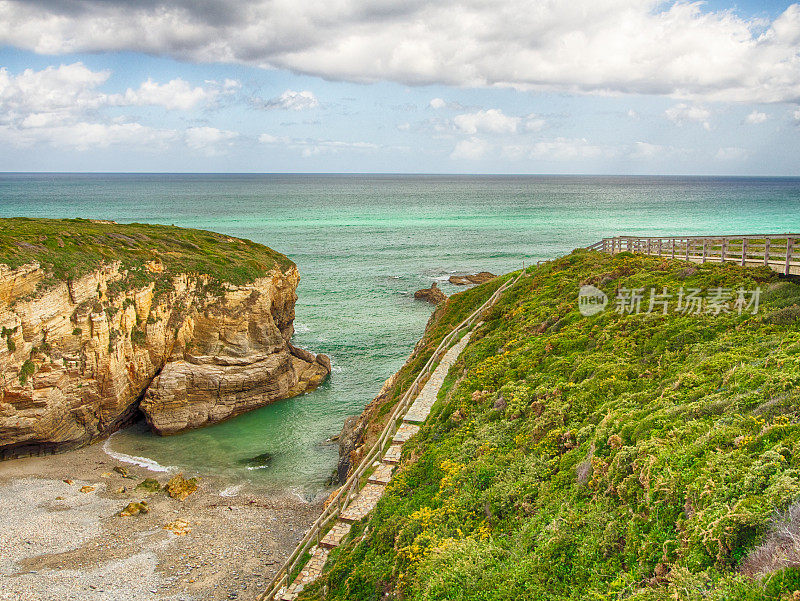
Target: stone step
[(382, 474), (310, 572), (360, 507), (404, 432), (393, 454), (335, 535)]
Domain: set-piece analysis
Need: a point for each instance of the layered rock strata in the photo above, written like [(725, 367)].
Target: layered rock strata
[(81, 358)]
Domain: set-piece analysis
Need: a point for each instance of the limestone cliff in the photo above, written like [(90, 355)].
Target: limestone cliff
[(81, 357)]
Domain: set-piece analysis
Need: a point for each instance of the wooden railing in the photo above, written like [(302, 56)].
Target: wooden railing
[(780, 252), (346, 492)]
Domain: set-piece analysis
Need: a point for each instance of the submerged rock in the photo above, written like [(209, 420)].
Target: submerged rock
[(262, 460), (432, 295)]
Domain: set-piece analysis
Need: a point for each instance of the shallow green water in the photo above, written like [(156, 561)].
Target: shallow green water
[(363, 245)]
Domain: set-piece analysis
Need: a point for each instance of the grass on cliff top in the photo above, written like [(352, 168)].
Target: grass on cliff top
[(70, 248), (617, 456)]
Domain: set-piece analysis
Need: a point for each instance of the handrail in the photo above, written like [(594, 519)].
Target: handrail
[(779, 252), (340, 500)]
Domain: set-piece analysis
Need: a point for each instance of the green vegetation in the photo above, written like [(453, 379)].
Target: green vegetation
[(617, 456), (26, 371), (69, 248)]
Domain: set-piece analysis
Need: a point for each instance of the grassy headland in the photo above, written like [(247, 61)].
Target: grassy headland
[(70, 248), (615, 456)]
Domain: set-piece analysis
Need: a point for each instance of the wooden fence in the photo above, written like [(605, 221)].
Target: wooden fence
[(349, 489), (780, 252)]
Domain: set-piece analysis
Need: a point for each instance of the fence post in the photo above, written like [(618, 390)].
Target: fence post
[(744, 251), (789, 251), (705, 249), (688, 246), (659, 247), (673, 248), (724, 249), (766, 252)]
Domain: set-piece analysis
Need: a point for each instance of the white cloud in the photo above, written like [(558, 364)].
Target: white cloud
[(404, 126), (176, 94), (84, 136), (797, 114), (645, 150), (492, 121), (731, 153), (437, 103), (472, 148), (534, 123), (756, 117), (209, 140), (63, 106), (683, 113), (632, 114), (292, 101), (680, 49), (309, 147)]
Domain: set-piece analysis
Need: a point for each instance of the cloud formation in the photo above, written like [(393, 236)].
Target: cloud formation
[(683, 113), (290, 101), (583, 46), (64, 106)]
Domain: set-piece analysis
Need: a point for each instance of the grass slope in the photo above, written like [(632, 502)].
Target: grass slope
[(69, 248), (605, 457)]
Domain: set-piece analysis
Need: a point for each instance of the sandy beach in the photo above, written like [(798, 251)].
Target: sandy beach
[(59, 543)]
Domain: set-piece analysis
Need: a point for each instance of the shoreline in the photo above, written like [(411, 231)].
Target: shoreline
[(60, 543)]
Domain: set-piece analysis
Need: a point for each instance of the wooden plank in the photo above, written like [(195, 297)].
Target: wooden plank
[(673, 248), (705, 249), (744, 252), (766, 252), (688, 247), (789, 252), (724, 249)]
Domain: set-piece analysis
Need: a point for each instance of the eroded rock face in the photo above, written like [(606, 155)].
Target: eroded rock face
[(432, 295), (76, 358)]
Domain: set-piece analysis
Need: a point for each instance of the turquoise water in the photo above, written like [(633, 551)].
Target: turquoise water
[(363, 245)]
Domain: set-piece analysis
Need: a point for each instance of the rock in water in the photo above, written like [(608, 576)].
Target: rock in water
[(477, 278), (259, 461), (432, 295), (179, 487)]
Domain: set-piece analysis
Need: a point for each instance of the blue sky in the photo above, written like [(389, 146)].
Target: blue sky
[(579, 86)]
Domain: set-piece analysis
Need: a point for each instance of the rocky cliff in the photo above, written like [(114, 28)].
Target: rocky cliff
[(81, 357)]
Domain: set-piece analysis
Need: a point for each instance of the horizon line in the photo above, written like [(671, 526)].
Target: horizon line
[(405, 173)]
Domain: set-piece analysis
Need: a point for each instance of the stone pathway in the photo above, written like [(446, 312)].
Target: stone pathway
[(405, 432), (336, 534), (421, 408), (368, 497), (308, 574), (392, 454), (382, 474)]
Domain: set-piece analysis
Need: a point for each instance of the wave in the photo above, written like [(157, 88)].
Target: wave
[(231, 491), (144, 462), (301, 328)]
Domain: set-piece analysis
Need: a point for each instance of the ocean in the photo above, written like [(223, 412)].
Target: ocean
[(363, 244)]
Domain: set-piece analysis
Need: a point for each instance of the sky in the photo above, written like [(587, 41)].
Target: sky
[(467, 86)]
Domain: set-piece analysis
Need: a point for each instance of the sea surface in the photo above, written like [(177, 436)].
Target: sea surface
[(363, 245)]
